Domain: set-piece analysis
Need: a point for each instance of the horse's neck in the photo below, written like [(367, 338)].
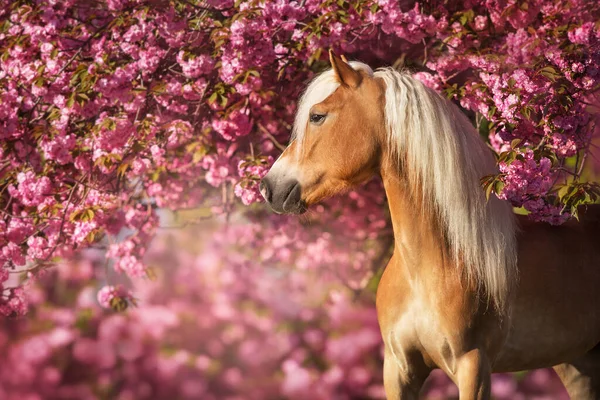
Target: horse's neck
[(419, 244)]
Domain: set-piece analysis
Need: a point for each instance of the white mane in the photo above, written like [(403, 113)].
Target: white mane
[(445, 157)]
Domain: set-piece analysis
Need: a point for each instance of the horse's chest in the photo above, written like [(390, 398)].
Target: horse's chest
[(420, 320), (418, 330)]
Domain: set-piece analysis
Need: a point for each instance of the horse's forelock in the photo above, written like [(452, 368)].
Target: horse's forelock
[(321, 87)]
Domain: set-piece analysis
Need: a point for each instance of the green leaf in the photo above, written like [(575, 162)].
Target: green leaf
[(118, 304), (488, 192), (74, 216), (88, 215), (565, 101), (487, 184), (199, 154), (550, 73), (71, 100), (466, 17), (511, 157), (498, 186), (222, 101), (122, 169)]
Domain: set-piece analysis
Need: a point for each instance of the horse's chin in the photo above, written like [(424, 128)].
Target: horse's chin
[(297, 209), (301, 210)]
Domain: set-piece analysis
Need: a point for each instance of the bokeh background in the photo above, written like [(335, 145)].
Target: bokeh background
[(220, 319)]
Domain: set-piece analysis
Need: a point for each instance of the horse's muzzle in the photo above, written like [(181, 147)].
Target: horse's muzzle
[(283, 197)]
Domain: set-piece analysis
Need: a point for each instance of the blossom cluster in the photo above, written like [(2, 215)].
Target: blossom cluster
[(111, 110)]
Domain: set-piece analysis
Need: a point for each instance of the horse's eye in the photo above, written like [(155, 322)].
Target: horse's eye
[(317, 119)]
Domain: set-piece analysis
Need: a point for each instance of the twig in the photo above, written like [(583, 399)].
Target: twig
[(271, 137)]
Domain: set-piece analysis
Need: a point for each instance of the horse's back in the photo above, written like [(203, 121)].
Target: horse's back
[(590, 214), (556, 313)]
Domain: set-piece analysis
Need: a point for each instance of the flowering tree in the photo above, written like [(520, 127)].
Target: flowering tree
[(111, 110)]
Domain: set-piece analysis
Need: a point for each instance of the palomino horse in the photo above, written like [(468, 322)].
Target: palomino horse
[(470, 288)]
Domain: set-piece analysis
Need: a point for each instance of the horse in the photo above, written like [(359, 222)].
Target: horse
[(471, 288)]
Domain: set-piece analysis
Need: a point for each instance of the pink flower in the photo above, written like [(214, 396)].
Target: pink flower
[(480, 22), (17, 303), (59, 148), (131, 266), (109, 293), (31, 190), (429, 80), (248, 195), (582, 34), (38, 248), (83, 229), (195, 66), (12, 252), (19, 229), (237, 124)]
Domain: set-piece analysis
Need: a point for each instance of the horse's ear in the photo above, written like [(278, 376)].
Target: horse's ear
[(344, 72)]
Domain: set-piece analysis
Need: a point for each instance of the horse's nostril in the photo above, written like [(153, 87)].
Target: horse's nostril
[(263, 187)]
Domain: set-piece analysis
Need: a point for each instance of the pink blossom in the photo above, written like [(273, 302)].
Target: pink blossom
[(31, 190), (59, 149), (38, 248), (83, 229), (248, 195), (131, 266), (582, 34), (12, 252), (428, 80), (195, 66), (17, 303), (237, 124), (109, 293), (19, 229)]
